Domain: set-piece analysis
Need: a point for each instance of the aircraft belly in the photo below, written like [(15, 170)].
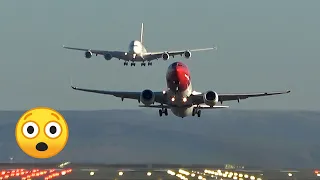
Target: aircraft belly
[(182, 111)]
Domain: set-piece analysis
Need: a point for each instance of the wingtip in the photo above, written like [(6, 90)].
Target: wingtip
[(288, 91), (215, 47), (73, 87)]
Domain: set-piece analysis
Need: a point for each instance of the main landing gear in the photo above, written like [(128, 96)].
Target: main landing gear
[(163, 110), (144, 64), (134, 64), (195, 111), (126, 64)]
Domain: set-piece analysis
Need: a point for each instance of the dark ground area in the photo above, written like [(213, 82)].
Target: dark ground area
[(270, 139)]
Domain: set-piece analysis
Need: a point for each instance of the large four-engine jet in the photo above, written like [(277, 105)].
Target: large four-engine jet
[(137, 53), (179, 96)]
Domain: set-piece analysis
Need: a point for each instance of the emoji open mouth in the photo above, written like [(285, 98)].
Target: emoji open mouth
[(41, 146)]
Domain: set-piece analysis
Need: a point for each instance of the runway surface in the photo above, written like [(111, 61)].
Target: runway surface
[(70, 171)]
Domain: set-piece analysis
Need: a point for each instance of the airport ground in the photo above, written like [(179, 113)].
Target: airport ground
[(71, 171)]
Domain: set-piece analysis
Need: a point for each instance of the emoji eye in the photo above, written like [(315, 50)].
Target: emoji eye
[(53, 129), (30, 129)]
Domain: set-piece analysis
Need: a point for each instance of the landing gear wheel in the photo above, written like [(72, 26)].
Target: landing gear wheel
[(143, 64), (149, 63), (199, 113), (133, 64), (196, 111), (166, 111), (125, 63)]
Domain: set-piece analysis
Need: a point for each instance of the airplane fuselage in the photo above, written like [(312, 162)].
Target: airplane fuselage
[(136, 50), (179, 89)]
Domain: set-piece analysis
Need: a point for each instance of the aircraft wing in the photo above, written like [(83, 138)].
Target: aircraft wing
[(115, 54), (198, 98), (122, 94), (155, 55)]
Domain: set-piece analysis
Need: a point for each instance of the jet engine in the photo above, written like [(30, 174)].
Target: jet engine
[(165, 56), (210, 98), (187, 54), (107, 56), (147, 97), (88, 54)]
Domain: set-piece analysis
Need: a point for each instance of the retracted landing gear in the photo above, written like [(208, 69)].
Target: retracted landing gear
[(163, 110), (197, 111)]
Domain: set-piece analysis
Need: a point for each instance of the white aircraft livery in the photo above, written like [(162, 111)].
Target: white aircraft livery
[(138, 53), (179, 96)]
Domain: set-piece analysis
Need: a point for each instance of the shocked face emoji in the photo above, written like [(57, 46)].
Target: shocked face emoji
[(42, 132)]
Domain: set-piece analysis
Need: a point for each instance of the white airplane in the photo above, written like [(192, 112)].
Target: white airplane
[(137, 53), (179, 96)]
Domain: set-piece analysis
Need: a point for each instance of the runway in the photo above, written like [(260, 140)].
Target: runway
[(70, 171)]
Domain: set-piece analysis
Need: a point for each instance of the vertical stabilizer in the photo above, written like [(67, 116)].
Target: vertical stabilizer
[(141, 34)]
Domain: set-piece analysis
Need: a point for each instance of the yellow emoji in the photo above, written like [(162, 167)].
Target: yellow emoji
[(42, 132)]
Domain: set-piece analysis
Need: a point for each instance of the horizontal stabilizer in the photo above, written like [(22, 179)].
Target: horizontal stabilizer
[(213, 107), (155, 106), (201, 106)]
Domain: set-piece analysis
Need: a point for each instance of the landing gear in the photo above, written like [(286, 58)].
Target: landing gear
[(197, 111), (163, 110), (133, 64), (125, 63), (144, 64)]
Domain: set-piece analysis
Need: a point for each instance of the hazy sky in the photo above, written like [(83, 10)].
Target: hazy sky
[(262, 46)]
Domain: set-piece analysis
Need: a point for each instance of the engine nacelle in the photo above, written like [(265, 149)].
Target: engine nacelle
[(107, 56), (88, 54), (187, 54), (210, 98), (147, 97), (165, 56)]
